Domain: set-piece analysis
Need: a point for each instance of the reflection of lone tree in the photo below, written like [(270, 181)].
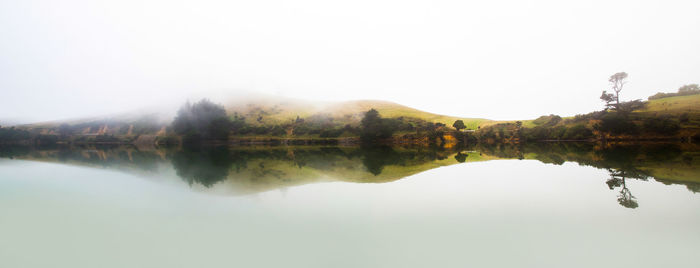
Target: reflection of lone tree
[(625, 198)]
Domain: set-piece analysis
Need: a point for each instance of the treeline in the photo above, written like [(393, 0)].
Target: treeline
[(12, 135), (205, 121), (608, 124), (686, 90)]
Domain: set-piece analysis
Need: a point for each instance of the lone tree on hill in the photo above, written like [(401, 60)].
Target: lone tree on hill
[(617, 81), (459, 124)]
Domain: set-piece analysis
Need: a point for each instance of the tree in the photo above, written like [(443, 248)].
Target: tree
[(608, 98), (64, 130), (459, 124), (375, 128), (617, 81), (203, 120), (689, 88)]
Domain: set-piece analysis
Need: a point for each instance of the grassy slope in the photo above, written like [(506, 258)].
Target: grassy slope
[(275, 110), (674, 105)]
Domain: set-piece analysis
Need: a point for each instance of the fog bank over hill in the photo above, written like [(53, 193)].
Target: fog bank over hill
[(263, 109)]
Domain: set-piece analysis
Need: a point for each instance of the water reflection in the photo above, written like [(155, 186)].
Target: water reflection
[(245, 170), (617, 179)]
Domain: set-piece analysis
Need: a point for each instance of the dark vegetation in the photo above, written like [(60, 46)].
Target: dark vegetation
[(205, 121), (202, 120), (13, 135)]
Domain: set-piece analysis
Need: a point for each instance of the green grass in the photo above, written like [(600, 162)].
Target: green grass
[(674, 105), (279, 111)]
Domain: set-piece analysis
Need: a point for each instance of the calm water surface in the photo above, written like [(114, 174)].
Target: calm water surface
[(497, 206)]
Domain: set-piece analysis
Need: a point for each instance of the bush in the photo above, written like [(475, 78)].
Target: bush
[(331, 133), (662, 126), (12, 134), (578, 132), (548, 120), (106, 138), (616, 124), (202, 120), (46, 139), (630, 106), (375, 128)]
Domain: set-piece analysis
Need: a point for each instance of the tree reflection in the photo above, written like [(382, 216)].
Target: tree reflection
[(374, 158), (203, 165), (460, 157), (618, 179)]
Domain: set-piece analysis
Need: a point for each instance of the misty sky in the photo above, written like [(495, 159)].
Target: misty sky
[(493, 59)]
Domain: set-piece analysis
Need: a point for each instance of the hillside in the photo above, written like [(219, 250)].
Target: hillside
[(674, 105), (666, 118), (267, 118), (258, 110), (275, 110)]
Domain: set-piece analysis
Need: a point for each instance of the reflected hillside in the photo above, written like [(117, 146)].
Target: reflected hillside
[(665, 162), (245, 170)]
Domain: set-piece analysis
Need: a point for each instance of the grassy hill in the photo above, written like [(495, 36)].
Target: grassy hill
[(276, 110), (674, 105), (267, 116)]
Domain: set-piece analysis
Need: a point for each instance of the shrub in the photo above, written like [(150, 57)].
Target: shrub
[(578, 132), (374, 127), (661, 125), (616, 124), (549, 120), (202, 120)]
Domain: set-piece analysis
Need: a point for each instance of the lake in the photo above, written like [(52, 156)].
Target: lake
[(535, 205)]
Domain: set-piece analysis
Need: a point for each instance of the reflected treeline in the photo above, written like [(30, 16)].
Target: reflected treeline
[(97, 155), (252, 169), (242, 169), (209, 165)]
